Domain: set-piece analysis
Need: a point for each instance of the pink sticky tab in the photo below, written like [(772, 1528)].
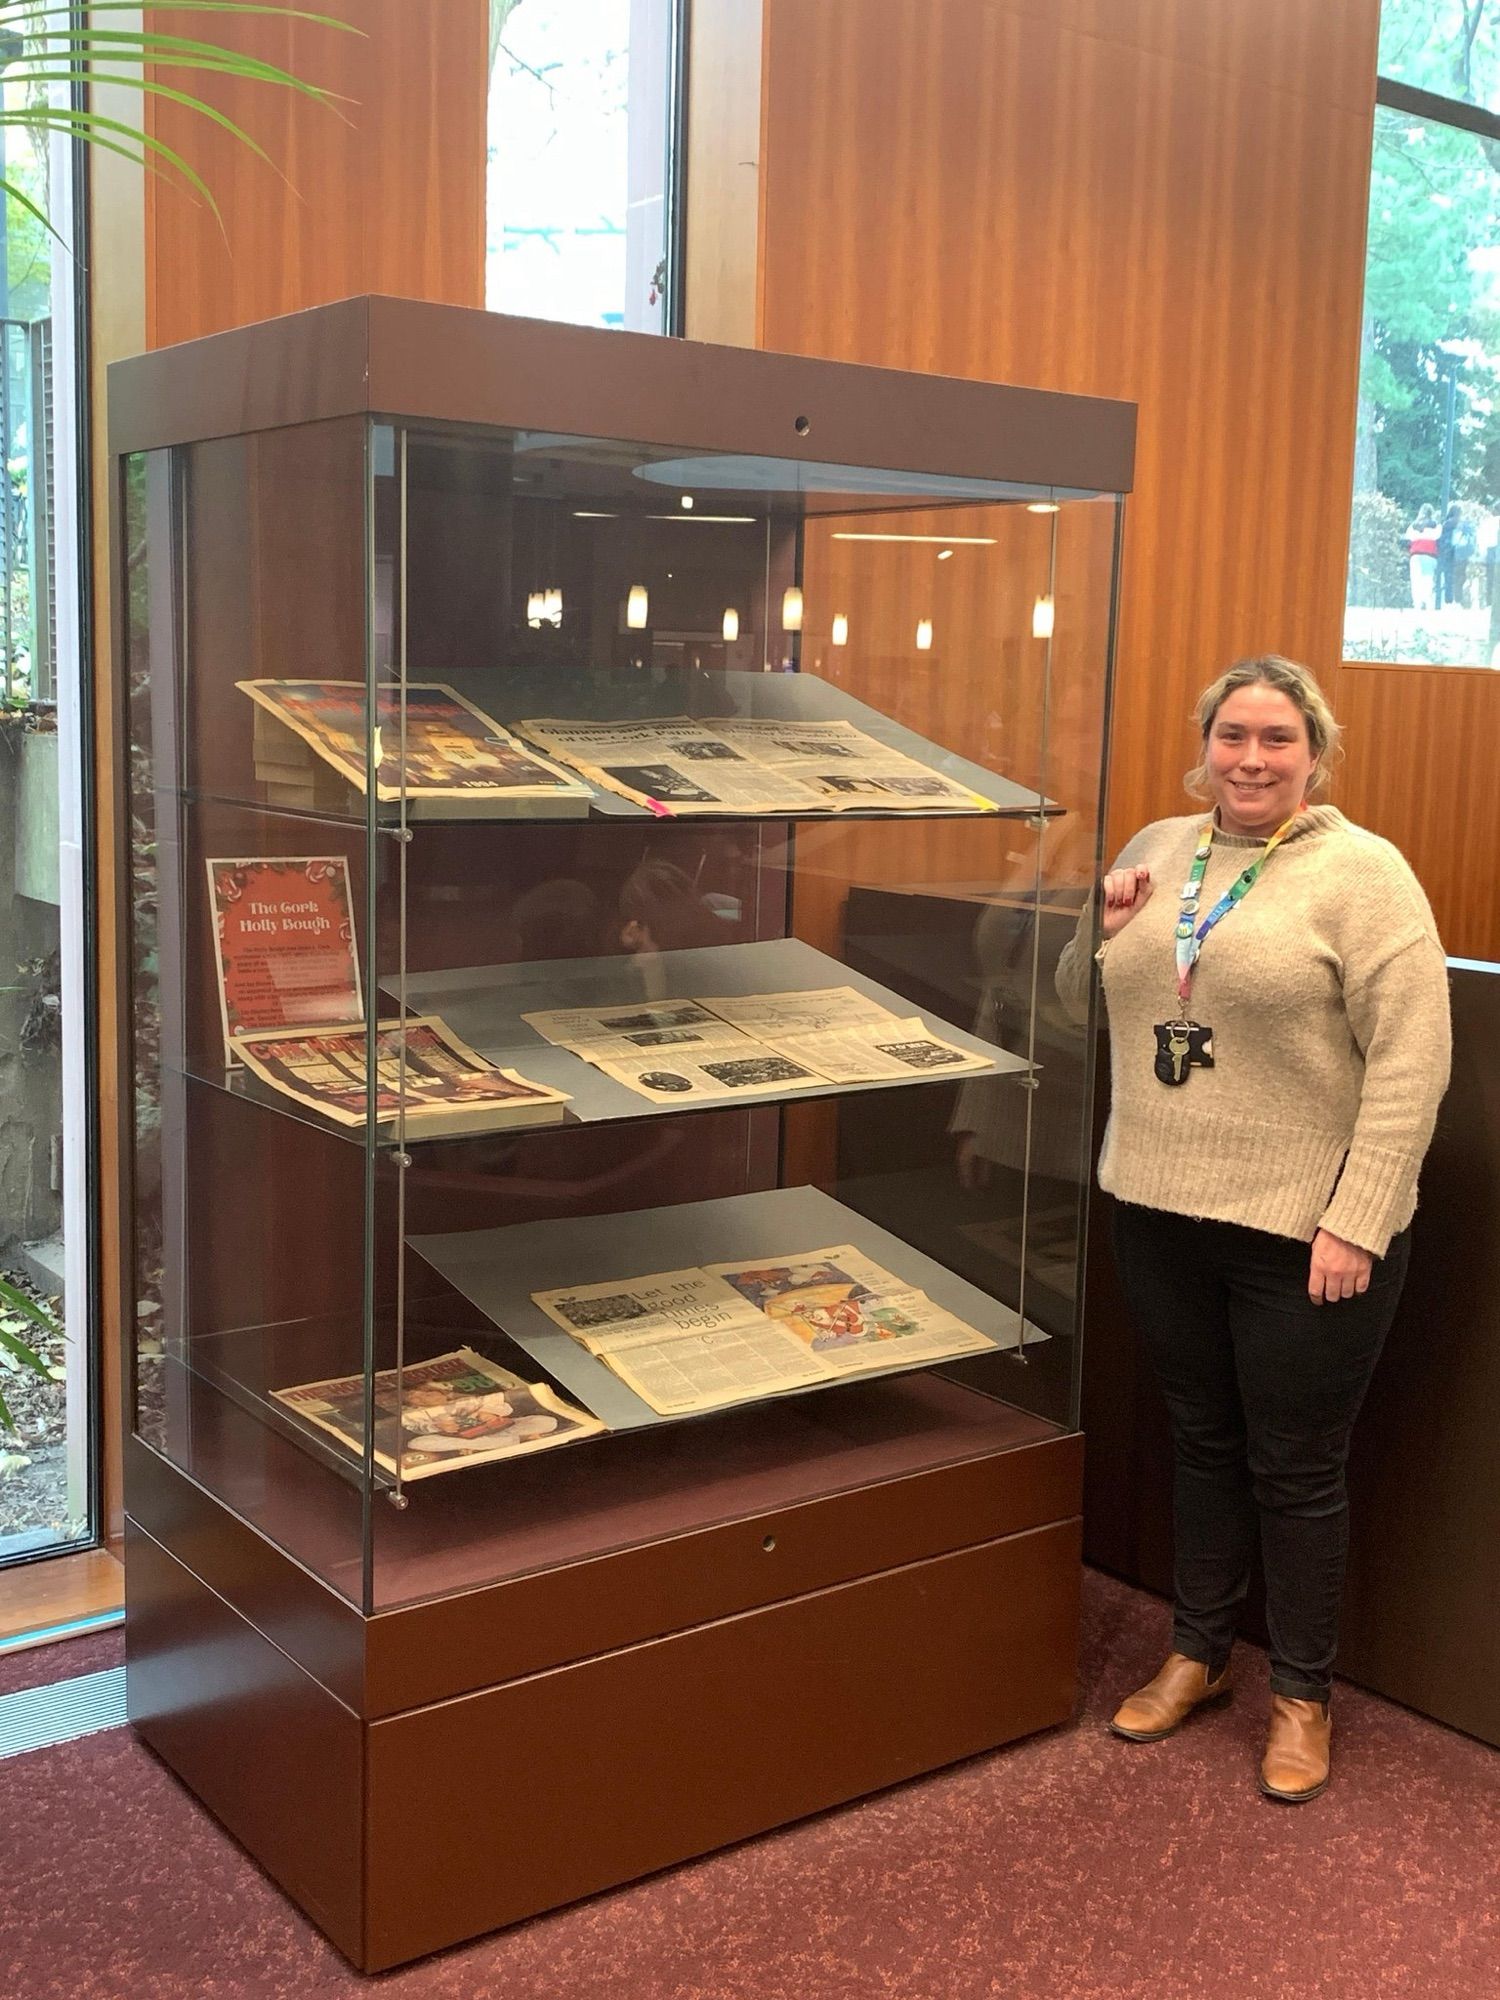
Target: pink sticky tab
[(661, 811)]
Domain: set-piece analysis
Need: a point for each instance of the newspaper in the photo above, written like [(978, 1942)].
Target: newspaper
[(430, 745), (848, 768), (457, 1410), (727, 1072), (800, 1011), (679, 1026), (849, 1312), (844, 1036), (421, 1069), (614, 1315), (730, 1333), (683, 1340), (672, 764), (723, 1050), (879, 1052)]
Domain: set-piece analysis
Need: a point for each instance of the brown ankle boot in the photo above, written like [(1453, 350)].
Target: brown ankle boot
[(1163, 1704), (1295, 1766)]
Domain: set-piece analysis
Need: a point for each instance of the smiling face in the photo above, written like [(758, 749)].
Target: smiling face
[(1259, 759)]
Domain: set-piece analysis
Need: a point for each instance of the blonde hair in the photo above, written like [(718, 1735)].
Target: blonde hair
[(1300, 688)]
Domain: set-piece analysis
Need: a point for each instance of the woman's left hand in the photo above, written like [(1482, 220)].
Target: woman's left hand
[(1339, 1269)]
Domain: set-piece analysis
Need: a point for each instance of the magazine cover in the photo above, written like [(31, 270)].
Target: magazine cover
[(421, 1067), (453, 749), (283, 944), (454, 1411)]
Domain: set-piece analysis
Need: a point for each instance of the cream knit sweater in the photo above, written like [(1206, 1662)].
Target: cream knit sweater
[(1328, 998)]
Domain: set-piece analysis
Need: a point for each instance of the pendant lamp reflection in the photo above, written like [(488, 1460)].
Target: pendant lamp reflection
[(791, 610), (731, 623), (637, 606), (840, 629), (924, 635), (1043, 617), (534, 609)]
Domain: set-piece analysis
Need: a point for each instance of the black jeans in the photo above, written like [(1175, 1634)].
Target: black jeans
[(1263, 1388)]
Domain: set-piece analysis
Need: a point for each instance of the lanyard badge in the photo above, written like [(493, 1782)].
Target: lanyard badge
[(1182, 1044)]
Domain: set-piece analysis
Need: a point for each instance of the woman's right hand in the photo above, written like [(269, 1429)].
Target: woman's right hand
[(1126, 892)]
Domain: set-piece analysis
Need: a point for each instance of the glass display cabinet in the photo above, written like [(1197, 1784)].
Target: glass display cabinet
[(609, 1164)]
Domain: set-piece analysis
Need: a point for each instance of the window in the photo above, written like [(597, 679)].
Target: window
[(47, 1465), (1424, 586), (578, 199)]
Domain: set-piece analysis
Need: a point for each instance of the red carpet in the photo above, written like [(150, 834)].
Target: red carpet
[(38, 1666), (1072, 1867)]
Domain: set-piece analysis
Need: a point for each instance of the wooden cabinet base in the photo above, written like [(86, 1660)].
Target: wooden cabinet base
[(403, 1833)]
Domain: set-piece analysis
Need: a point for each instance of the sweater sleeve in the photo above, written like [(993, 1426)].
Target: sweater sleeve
[(1398, 1015), (1075, 966)]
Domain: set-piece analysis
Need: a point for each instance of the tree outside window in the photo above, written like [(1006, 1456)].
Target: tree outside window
[(580, 115), (1423, 585)]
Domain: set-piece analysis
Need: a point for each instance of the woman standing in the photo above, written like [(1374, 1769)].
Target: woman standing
[(1278, 1013)]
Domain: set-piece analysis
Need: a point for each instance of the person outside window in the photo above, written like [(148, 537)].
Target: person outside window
[(1421, 540)]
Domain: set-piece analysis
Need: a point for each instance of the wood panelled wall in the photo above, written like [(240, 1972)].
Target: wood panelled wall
[(381, 192), (1161, 201), (1148, 199), (1425, 771)]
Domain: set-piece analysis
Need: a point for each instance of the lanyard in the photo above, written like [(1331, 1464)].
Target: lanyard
[(1189, 942)]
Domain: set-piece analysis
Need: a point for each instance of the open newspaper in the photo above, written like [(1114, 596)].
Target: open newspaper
[(724, 1050), (454, 1411), (673, 764), (422, 1070), (845, 1036), (730, 1333), (446, 757)]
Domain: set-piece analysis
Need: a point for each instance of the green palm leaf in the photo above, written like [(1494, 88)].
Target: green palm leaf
[(15, 1300), (58, 49)]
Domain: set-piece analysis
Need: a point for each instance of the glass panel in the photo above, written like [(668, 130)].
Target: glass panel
[(579, 160), (1426, 524), (47, 1472), (1451, 47), (597, 1064), (250, 1208), (678, 742)]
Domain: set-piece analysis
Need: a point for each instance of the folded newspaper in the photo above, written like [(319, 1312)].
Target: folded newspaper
[(432, 748), (425, 1078), (724, 1050), (673, 764), (441, 1415), (731, 1333)]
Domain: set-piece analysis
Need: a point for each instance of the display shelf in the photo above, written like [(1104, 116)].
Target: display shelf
[(776, 696), (520, 1517), (483, 1005), (505, 693), (499, 1269)]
